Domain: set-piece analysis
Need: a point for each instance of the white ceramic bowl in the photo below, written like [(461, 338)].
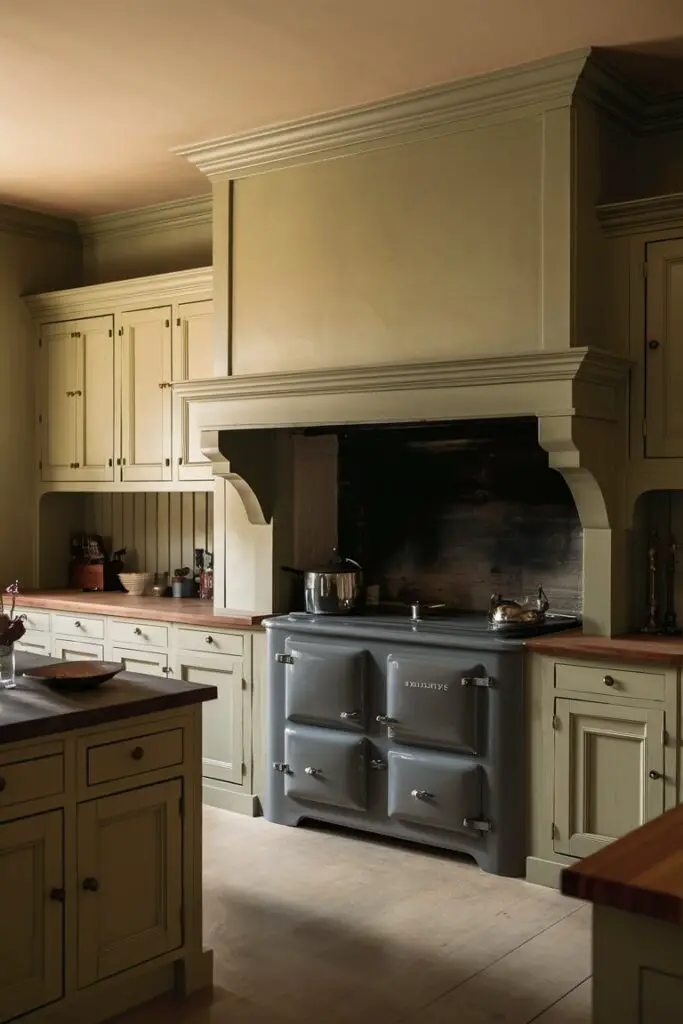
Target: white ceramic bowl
[(136, 582)]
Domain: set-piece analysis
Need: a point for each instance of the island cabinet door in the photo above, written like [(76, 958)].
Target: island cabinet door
[(609, 773), (146, 379), (31, 913), (129, 879), (223, 722)]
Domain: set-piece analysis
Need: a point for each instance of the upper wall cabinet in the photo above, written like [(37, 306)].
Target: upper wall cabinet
[(664, 350), (109, 355)]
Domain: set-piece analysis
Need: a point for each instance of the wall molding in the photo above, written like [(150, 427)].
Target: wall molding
[(180, 213), (650, 214), (136, 293), (31, 224)]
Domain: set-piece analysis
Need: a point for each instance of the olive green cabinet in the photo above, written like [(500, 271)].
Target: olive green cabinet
[(664, 349), (32, 908)]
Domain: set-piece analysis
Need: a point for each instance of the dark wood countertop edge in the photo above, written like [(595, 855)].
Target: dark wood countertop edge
[(627, 649), (52, 725), (71, 601), (633, 899)]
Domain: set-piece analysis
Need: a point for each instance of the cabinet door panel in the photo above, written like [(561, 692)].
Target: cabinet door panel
[(147, 662), (664, 361), (193, 341), (603, 756), (130, 879), (31, 868), (146, 394), (95, 399), (223, 722), (58, 407), (77, 650)]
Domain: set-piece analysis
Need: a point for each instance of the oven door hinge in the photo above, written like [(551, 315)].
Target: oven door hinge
[(478, 824), (282, 767), (284, 659), (477, 681)]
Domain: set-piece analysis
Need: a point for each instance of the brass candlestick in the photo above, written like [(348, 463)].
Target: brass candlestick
[(670, 618), (652, 626)]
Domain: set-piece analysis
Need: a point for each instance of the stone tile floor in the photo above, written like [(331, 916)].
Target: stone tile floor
[(313, 925)]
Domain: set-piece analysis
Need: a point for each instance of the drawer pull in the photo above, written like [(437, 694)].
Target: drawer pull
[(313, 771), (421, 794), (654, 775), (137, 631), (346, 715), (608, 680), (385, 719), (90, 884), (210, 640), (58, 895), (77, 624), (3, 783), (137, 753)]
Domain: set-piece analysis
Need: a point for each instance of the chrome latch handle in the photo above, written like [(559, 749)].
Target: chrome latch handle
[(282, 767), (421, 794), (377, 765), (349, 715), (315, 772), (385, 720)]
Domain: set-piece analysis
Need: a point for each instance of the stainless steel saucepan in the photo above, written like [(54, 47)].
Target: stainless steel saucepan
[(332, 589)]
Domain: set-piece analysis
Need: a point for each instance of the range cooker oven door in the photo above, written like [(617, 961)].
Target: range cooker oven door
[(435, 790), (326, 767), (433, 701), (325, 684)]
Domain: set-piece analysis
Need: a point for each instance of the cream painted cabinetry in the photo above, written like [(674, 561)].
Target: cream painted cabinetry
[(664, 349), (77, 402), (109, 355), (32, 901), (602, 755), (223, 732)]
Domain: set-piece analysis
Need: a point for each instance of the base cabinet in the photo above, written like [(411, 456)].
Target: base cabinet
[(32, 910), (223, 723), (130, 879)]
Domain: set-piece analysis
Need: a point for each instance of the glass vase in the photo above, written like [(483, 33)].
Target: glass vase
[(7, 674)]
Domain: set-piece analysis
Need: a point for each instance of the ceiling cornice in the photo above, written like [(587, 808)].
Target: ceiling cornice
[(181, 213), (97, 299), (502, 95), (31, 224), (651, 214)]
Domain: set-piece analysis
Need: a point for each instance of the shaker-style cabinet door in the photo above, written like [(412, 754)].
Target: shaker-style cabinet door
[(609, 773), (192, 360), (664, 350), (150, 663), (59, 361), (94, 399), (32, 902), (146, 378), (223, 723), (130, 888)]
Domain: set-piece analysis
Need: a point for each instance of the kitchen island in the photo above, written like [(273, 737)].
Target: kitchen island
[(100, 846)]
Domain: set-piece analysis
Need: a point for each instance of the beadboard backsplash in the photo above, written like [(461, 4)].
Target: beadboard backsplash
[(159, 531), (456, 512)]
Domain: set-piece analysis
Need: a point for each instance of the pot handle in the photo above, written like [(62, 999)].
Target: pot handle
[(354, 562)]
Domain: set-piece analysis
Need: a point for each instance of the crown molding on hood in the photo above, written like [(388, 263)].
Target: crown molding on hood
[(179, 213)]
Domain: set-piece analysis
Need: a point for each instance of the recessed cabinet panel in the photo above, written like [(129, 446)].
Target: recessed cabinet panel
[(664, 350), (193, 341), (77, 650), (58, 406), (609, 773), (146, 380), (326, 685), (222, 719), (326, 767), (95, 400), (149, 663), (434, 789), (31, 935), (130, 879), (428, 705)]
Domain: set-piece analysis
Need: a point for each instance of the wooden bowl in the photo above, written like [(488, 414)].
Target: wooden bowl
[(75, 675)]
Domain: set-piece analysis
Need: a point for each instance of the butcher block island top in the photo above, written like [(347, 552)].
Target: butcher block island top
[(641, 873), (186, 610), (637, 648), (33, 709)]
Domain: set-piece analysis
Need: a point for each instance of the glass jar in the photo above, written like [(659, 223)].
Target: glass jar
[(7, 673)]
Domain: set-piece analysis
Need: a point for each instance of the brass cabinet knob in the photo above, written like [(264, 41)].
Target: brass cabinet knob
[(90, 884), (137, 631), (608, 680), (58, 895), (654, 775), (137, 753), (653, 344), (77, 624), (210, 640)]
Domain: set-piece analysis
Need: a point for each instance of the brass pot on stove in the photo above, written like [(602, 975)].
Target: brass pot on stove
[(504, 613)]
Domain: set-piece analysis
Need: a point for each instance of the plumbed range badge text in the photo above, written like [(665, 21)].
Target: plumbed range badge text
[(416, 685)]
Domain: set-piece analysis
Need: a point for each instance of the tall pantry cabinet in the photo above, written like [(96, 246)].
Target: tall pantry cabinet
[(108, 356)]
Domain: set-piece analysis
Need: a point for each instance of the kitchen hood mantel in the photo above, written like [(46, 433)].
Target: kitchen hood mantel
[(579, 397)]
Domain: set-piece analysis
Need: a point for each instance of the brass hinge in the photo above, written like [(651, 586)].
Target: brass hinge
[(120, 332), (40, 342), (665, 737), (177, 323), (111, 334), (552, 831), (244, 768), (556, 722), (40, 417), (645, 269), (167, 323), (40, 464), (644, 428), (244, 683)]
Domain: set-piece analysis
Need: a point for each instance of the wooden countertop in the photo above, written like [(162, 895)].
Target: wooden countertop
[(32, 709), (635, 648), (642, 872), (189, 611)]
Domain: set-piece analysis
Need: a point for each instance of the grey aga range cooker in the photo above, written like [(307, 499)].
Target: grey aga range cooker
[(412, 728)]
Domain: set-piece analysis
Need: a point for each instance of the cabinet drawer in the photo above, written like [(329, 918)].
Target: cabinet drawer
[(138, 633), (31, 780), (34, 642), (122, 759), (211, 640), (34, 619), (610, 679), (78, 625)]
